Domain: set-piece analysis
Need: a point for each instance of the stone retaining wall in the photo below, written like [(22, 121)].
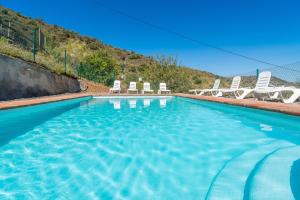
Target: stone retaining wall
[(21, 79)]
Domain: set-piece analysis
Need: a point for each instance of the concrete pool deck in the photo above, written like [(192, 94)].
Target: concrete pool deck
[(47, 99), (292, 109)]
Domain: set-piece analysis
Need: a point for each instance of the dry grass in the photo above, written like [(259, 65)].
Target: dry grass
[(46, 60)]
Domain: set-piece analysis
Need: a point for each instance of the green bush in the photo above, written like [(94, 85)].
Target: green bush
[(165, 70), (197, 80), (135, 56), (99, 67), (4, 11)]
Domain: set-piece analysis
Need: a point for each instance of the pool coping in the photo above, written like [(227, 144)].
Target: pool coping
[(61, 97), (40, 100), (291, 109)]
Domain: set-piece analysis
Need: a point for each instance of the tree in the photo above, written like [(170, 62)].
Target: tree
[(99, 67)]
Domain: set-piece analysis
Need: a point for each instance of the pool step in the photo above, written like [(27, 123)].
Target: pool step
[(230, 181), (276, 176)]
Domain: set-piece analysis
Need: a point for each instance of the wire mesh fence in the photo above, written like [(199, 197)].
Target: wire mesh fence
[(287, 76), (35, 44), (34, 40), (29, 43), (13, 36)]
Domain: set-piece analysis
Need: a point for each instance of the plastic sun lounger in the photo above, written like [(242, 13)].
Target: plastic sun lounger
[(214, 91), (147, 88), (235, 84), (193, 91), (262, 88), (116, 87), (292, 99), (132, 87), (163, 88)]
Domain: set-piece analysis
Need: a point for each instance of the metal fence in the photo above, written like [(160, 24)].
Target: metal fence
[(287, 75), (33, 40), (282, 76)]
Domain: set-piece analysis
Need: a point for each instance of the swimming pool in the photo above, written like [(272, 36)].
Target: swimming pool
[(147, 148)]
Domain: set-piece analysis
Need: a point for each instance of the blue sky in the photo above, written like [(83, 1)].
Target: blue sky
[(264, 29)]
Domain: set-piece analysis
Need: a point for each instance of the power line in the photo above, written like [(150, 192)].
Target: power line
[(164, 29)]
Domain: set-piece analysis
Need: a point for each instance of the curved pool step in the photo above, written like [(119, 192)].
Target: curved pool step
[(273, 179), (230, 181)]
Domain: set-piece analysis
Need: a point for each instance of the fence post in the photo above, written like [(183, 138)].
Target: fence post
[(39, 43), (8, 30), (34, 43), (257, 73), (65, 61)]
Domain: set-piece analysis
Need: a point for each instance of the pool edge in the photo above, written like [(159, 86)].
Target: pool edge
[(290, 109), (4, 105)]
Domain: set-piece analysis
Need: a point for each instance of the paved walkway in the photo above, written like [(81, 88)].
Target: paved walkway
[(40, 100), (54, 98), (292, 109)]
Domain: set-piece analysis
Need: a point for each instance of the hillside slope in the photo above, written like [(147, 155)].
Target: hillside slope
[(92, 59)]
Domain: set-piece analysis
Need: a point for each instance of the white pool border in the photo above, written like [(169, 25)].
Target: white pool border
[(132, 97)]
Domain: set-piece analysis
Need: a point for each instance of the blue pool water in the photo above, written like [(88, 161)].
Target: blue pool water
[(147, 148)]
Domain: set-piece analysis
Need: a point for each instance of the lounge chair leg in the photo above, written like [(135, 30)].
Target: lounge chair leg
[(244, 94), (293, 98), (275, 95)]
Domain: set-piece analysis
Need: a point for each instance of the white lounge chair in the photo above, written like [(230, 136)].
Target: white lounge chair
[(132, 87), (163, 88), (262, 86), (116, 87), (214, 91), (293, 98), (235, 84), (193, 91), (147, 88)]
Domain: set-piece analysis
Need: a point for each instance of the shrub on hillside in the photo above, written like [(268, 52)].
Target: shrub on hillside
[(4, 11), (134, 56), (99, 67), (165, 70)]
